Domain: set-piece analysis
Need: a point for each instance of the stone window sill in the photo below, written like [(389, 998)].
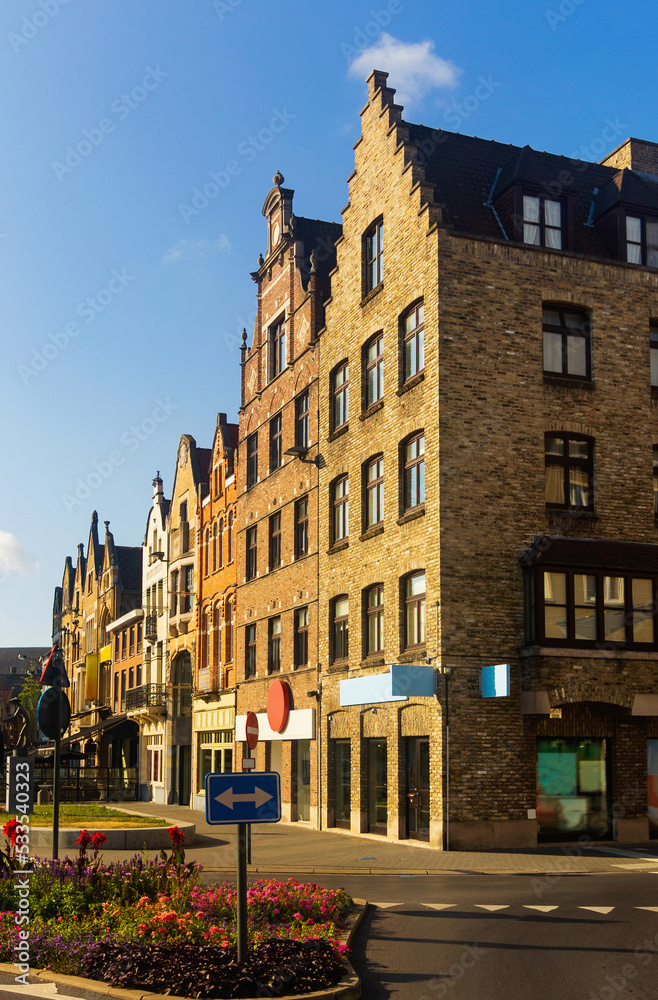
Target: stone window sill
[(339, 432), (372, 293), (373, 661), (373, 408), (411, 383), (376, 529), (412, 655), (411, 515), (338, 546), (558, 515), (569, 383)]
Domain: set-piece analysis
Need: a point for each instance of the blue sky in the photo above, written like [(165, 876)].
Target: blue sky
[(121, 298)]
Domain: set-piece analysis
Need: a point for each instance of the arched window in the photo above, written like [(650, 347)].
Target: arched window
[(207, 637), (220, 543), (412, 329), (340, 626), (214, 547), (218, 635), (230, 536), (206, 552)]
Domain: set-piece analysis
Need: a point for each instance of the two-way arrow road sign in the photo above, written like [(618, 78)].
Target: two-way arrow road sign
[(254, 797)]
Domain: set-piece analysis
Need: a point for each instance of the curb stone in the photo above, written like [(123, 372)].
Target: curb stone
[(348, 989)]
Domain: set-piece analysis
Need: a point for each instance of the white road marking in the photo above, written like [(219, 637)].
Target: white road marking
[(384, 906), (439, 906), (598, 909), (654, 909), (542, 909), (40, 990), (492, 906)]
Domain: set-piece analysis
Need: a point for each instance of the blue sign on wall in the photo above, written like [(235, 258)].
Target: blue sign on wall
[(253, 797), (494, 681)]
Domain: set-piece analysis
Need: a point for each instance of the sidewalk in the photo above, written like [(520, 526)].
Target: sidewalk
[(295, 848)]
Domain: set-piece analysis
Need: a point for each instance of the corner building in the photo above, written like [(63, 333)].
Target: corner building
[(277, 504), (488, 383)]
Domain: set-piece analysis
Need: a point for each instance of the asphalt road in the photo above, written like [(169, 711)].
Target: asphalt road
[(433, 936)]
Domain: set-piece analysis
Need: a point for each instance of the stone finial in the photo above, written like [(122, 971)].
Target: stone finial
[(261, 260), (107, 525), (278, 178), (244, 336)]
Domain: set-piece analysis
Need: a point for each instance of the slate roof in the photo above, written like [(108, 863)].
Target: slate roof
[(130, 567), (466, 171)]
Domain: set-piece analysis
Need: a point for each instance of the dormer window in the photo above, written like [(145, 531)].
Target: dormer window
[(542, 222), (642, 240)]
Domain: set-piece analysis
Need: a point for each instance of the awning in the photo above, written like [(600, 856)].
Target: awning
[(82, 734)]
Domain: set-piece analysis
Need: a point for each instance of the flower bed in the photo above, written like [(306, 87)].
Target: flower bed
[(153, 923)]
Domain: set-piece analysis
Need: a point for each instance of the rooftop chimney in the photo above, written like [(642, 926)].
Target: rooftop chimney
[(634, 154)]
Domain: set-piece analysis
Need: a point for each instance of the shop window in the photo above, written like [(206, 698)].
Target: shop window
[(214, 755), (342, 783), (572, 789), (376, 782), (154, 759)]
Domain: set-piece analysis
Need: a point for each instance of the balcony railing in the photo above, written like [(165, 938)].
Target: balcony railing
[(146, 696), (151, 627)]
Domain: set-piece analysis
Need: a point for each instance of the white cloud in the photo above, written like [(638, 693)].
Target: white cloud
[(413, 67), (197, 248), (14, 557)]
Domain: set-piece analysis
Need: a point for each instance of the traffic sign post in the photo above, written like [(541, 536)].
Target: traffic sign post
[(252, 797)]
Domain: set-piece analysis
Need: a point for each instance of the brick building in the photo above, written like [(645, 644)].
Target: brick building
[(190, 486), (488, 434), (277, 498), (213, 705)]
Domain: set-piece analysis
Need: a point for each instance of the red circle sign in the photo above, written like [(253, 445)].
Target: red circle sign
[(278, 705), (251, 730)]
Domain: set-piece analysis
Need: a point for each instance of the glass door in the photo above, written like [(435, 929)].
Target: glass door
[(304, 780), (572, 789), (418, 787), (377, 804), (342, 783)]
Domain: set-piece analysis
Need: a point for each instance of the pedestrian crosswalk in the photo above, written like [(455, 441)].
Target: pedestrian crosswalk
[(499, 907)]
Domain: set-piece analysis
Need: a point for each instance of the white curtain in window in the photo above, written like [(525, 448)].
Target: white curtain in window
[(553, 213), (552, 352), (633, 229), (554, 484)]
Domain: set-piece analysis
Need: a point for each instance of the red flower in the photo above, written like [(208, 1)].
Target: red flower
[(97, 840), (84, 839), (10, 830), (177, 836)]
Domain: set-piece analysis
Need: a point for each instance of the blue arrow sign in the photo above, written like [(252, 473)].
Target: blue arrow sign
[(254, 797)]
